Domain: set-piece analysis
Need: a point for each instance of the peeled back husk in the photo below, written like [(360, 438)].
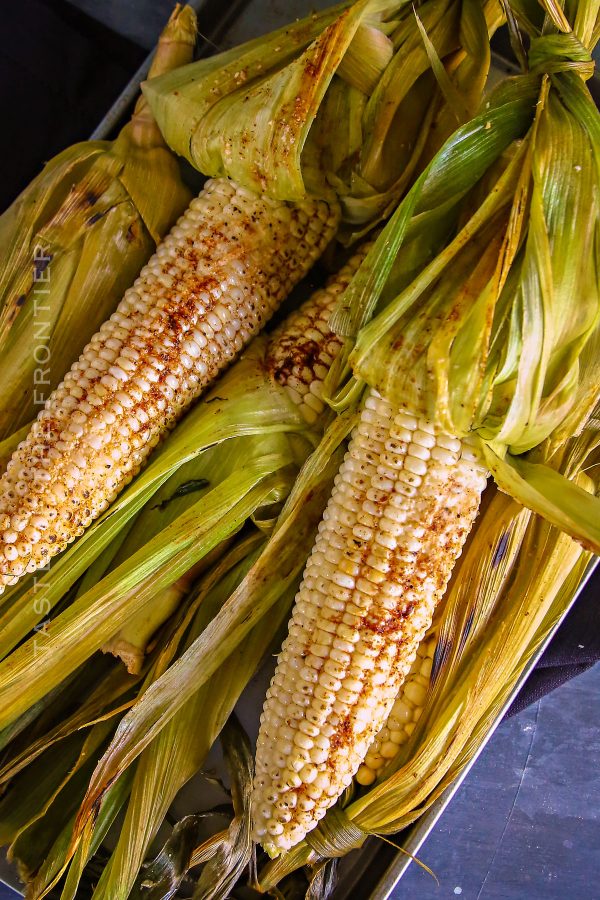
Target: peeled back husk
[(498, 335), (342, 102)]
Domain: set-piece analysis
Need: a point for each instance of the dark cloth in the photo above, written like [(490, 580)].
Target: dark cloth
[(59, 73)]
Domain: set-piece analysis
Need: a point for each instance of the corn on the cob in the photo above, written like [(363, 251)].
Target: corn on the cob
[(402, 505), (298, 356), (403, 717), (303, 348), (213, 282)]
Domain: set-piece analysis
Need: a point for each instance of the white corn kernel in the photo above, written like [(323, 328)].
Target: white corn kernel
[(395, 517), (171, 335)]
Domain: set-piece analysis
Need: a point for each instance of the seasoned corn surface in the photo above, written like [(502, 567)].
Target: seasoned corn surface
[(303, 348), (403, 503), (403, 717), (212, 284)]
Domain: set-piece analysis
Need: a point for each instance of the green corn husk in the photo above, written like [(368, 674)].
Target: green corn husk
[(498, 336), (558, 559), (132, 586), (76, 238), (169, 697), (501, 343), (265, 430), (341, 102), (113, 802), (31, 602), (371, 51), (21, 606), (178, 750), (181, 748), (247, 415), (207, 666), (195, 480)]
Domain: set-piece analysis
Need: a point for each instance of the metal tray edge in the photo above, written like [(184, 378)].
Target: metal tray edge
[(419, 832)]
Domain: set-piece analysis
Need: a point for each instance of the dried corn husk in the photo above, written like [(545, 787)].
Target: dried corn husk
[(77, 237), (512, 585)]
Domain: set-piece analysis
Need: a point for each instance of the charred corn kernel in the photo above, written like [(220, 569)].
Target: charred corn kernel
[(302, 349), (404, 712), (211, 285), (417, 525)]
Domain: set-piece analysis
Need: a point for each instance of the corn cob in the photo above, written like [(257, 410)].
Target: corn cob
[(403, 717), (303, 348), (298, 356), (212, 284), (402, 505)]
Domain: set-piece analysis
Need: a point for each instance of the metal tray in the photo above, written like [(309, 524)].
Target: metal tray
[(373, 872)]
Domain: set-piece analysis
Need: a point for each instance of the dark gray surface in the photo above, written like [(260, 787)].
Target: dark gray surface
[(140, 23), (142, 20), (526, 822)]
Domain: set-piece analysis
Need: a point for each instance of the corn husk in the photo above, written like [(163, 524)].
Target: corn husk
[(273, 575), (181, 748), (497, 337), (492, 338), (153, 530), (198, 479), (121, 573), (113, 803), (342, 102), (177, 752), (225, 853), (90, 619), (510, 622), (247, 416), (169, 702), (76, 238), (376, 62), (98, 546), (512, 585)]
